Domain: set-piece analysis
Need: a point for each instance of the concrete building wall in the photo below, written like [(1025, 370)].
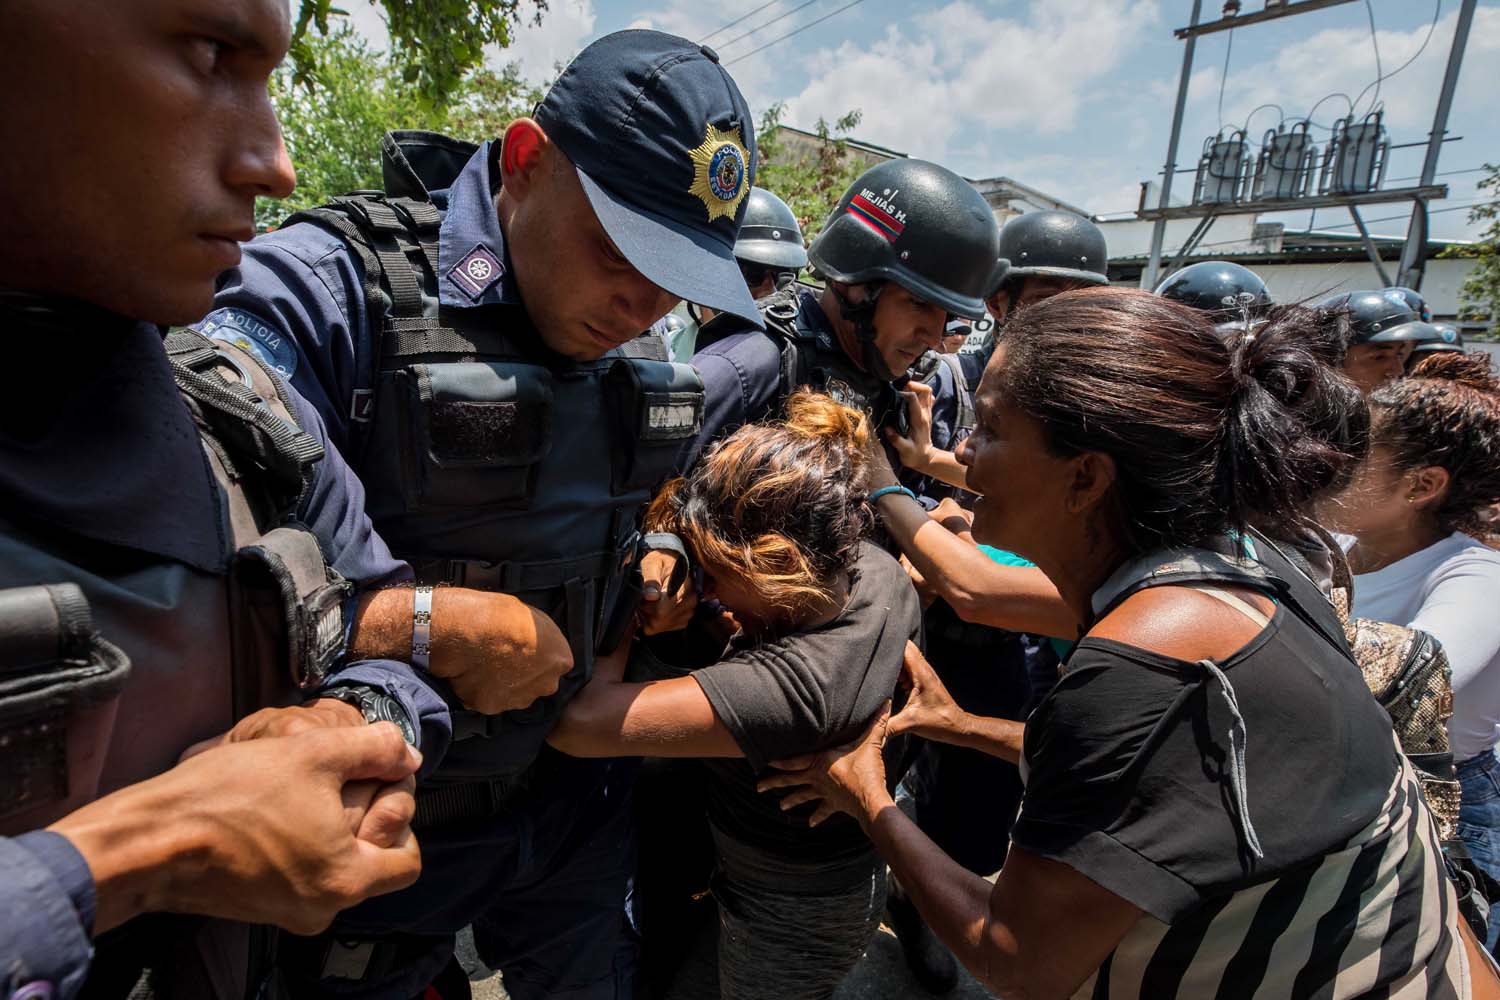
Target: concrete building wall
[(1295, 282)]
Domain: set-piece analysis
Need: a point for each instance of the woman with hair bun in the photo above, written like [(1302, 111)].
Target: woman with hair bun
[(1414, 514), (1215, 805), (775, 518)]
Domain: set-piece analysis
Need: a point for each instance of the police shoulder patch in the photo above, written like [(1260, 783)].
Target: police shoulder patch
[(249, 332)]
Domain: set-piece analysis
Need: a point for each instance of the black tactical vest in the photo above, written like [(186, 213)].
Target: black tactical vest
[(186, 651), (810, 356), (491, 462)]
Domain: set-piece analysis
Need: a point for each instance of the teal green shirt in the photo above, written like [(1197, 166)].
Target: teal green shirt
[(1005, 558)]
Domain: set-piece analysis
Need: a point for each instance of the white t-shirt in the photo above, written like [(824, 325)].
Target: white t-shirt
[(1450, 589)]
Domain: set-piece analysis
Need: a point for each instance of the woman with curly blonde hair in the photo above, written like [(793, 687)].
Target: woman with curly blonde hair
[(776, 520)]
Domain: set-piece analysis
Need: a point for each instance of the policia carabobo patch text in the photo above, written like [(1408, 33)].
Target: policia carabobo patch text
[(250, 333)]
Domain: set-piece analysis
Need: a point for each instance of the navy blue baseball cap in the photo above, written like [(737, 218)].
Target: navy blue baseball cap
[(664, 145)]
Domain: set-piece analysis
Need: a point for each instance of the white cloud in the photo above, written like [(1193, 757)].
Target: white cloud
[(927, 85), (1343, 60), (566, 27)]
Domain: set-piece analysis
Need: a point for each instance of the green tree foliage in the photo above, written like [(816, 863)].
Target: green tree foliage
[(333, 119), (1481, 290), (435, 44), (810, 183)]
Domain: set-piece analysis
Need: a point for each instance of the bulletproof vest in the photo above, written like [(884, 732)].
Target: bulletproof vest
[(119, 660), (811, 357), (491, 462), (205, 648)]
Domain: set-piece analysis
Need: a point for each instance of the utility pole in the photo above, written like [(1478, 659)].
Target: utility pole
[(1159, 230), (1410, 272), (1344, 194)]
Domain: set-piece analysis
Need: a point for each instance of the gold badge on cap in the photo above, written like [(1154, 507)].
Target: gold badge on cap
[(720, 175)]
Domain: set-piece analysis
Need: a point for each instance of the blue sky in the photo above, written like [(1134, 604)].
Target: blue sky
[(1071, 96)]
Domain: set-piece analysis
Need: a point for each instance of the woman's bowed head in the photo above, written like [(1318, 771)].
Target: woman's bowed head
[(734, 509)]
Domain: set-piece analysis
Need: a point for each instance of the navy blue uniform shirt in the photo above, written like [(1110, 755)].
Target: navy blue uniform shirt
[(297, 298), (98, 444)]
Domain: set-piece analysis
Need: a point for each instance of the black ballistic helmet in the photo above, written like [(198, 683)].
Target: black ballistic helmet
[(1054, 245), (1376, 317), (770, 235), (919, 225), (1438, 337), (1413, 298), (1227, 292)]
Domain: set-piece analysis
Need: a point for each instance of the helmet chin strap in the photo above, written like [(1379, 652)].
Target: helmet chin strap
[(862, 316)]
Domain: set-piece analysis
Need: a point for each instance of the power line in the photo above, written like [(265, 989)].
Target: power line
[(798, 31), (1445, 173), (1437, 10), (1375, 44), (1224, 77), (779, 17), (742, 17)]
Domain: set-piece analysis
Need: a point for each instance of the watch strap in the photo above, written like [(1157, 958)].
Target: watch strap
[(375, 705)]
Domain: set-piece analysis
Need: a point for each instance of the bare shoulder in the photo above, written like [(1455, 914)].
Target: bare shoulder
[(1183, 623)]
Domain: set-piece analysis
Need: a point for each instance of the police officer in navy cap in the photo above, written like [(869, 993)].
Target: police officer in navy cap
[(955, 334), (475, 337)]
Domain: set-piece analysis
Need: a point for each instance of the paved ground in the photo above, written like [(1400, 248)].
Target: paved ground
[(880, 975)]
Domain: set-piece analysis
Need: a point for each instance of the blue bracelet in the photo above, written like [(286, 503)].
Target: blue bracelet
[(886, 490)]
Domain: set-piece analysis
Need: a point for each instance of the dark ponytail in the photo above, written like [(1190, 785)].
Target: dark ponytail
[(1297, 426), (1207, 433)]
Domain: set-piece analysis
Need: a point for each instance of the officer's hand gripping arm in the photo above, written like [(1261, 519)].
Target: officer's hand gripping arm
[(496, 652)]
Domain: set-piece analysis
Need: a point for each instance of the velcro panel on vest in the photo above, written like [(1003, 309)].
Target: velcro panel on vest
[(655, 406), (58, 685), (475, 433), (465, 431), (292, 608), (486, 413)]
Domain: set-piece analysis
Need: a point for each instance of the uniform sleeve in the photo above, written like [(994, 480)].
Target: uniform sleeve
[(46, 914), (741, 377), (1458, 610), (946, 433), (297, 301), (334, 510)]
